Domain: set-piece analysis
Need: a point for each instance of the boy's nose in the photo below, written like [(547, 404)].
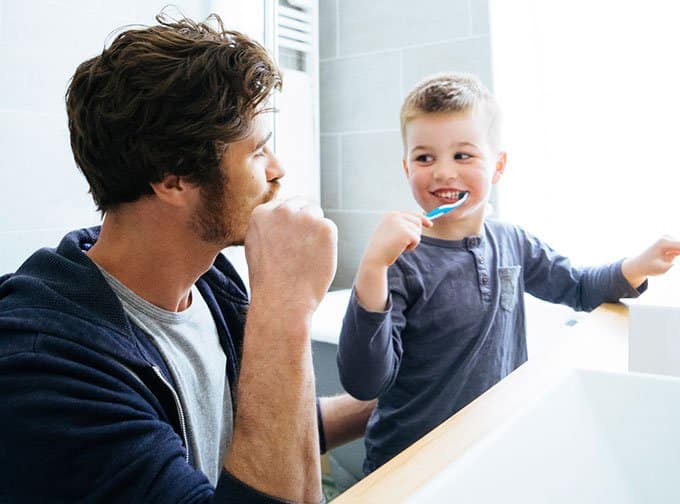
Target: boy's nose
[(445, 171)]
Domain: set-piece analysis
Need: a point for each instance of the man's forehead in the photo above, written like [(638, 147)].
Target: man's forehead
[(263, 124)]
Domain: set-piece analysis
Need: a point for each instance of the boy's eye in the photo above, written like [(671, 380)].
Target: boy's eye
[(424, 158), (461, 156)]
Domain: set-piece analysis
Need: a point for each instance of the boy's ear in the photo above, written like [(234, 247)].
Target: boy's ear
[(404, 165), (500, 166), (173, 190)]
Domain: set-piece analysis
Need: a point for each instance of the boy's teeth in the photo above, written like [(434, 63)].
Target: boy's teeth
[(449, 195)]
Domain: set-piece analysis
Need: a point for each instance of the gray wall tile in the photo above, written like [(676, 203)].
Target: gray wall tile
[(383, 47), (372, 174), (328, 31), (472, 55), (388, 24), (479, 17), (330, 171), (354, 230), (361, 93)]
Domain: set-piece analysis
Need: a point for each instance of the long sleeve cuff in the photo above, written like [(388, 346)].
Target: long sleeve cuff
[(319, 424), (231, 489), (627, 290)]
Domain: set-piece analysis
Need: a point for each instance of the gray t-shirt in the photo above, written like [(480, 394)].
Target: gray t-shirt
[(189, 343), (454, 327)]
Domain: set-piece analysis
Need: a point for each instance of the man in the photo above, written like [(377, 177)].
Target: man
[(114, 346)]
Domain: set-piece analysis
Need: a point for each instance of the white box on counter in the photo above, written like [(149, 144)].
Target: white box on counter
[(654, 328)]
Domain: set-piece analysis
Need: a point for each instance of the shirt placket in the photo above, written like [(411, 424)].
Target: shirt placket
[(473, 245)]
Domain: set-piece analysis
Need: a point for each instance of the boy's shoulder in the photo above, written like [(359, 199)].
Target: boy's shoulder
[(502, 228), (507, 234)]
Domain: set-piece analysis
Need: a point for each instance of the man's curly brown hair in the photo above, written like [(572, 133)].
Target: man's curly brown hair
[(166, 99)]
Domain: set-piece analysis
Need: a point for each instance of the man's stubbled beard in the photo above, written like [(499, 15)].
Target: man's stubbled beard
[(217, 224)]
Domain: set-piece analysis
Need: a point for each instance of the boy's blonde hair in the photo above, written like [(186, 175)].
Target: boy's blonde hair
[(452, 92)]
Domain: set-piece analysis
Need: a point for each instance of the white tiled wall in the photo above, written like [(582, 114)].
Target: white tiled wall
[(372, 53), (392, 24), (42, 193)]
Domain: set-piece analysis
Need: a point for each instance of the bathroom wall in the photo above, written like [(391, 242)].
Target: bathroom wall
[(371, 54)]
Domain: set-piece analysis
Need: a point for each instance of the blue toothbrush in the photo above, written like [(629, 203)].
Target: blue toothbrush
[(444, 209)]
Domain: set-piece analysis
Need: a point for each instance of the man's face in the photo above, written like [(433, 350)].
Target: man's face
[(249, 174)]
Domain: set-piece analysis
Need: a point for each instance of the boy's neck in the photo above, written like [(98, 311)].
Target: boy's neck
[(454, 230)]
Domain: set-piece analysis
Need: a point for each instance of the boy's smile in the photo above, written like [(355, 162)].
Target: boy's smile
[(448, 196), (448, 154)]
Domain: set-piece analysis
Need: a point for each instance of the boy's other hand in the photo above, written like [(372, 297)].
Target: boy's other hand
[(397, 233), (656, 260)]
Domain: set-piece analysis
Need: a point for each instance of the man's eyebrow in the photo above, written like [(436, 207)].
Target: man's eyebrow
[(261, 143)]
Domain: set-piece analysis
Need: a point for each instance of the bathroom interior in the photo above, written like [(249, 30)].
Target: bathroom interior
[(589, 97)]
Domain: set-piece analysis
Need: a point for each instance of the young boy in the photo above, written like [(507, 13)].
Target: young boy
[(429, 331)]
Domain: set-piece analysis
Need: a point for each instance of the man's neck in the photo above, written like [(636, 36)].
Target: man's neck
[(157, 258)]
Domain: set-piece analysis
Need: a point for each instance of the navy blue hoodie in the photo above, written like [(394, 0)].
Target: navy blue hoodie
[(88, 411)]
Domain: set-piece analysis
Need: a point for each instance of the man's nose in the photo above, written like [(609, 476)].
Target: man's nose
[(275, 169)]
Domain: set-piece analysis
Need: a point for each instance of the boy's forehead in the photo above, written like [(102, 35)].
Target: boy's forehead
[(430, 126)]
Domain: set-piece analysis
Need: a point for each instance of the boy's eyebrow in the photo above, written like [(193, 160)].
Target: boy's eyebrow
[(467, 144), (455, 144), (263, 141)]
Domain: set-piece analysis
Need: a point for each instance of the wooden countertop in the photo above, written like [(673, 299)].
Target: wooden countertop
[(598, 341)]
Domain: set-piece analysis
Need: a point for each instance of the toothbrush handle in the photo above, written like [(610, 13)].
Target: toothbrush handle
[(437, 212)]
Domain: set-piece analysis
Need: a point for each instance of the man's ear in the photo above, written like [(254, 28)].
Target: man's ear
[(173, 190), (500, 166)]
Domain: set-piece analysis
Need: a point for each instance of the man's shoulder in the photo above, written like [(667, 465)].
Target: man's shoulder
[(59, 294)]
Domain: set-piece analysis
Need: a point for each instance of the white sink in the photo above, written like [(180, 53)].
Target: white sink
[(592, 438)]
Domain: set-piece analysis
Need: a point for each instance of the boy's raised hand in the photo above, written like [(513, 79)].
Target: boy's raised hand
[(656, 260), (396, 233)]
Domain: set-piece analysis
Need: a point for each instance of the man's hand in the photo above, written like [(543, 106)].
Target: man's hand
[(656, 260), (397, 233), (291, 251)]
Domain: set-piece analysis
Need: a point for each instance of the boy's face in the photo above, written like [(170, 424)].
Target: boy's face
[(448, 154)]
